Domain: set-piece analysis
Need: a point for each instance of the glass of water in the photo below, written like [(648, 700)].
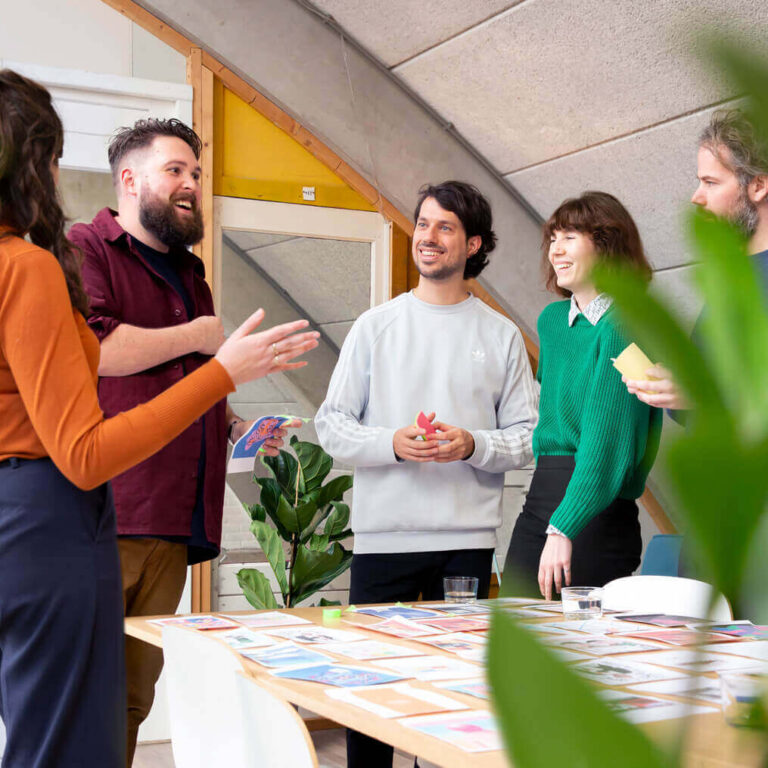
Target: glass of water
[(460, 589), (744, 698), (582, 602)]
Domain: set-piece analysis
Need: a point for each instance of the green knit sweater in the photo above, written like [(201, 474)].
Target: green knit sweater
[(586, 412)]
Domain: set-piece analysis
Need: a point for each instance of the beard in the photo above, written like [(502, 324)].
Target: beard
[(444, 272), (744, 214), (162, 219)]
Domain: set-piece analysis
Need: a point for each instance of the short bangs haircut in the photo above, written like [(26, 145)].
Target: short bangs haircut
[(609, 226), (472, 210)]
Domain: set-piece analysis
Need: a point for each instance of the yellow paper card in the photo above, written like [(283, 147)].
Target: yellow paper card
[(633, 363)]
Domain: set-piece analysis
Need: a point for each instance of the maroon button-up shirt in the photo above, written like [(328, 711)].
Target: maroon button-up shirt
[(156, 497)]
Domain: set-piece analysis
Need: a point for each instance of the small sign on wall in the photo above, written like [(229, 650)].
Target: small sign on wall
[(308, 193)]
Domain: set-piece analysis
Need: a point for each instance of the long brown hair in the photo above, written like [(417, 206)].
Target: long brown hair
[(609, 225), (31, 140)]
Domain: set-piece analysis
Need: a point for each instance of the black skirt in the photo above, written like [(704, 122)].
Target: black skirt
[(608, 548)]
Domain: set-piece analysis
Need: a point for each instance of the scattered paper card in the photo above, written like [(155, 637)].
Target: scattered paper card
[(472, 731), (633, 363), (621, 672), (456, 624), (398, 627), (695, 687), (247, 447), (591, 626), (455, 641), (599, 646), (397, 700), (266, 619), (738, 629), (478, 688), (198, 621), (315, 634), (661, 619), (286, 655), (545, 628), (478, 654), (244, 638), (646, 709), (691, 661), (365, 650), (754, 649), (339, 675), (402, 611), (460, 609), (431, 667), (679, 636)]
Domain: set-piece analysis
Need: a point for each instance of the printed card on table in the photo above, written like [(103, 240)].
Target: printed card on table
[(456, 624), (402, 611), (599, 646), (661, 619), (478, 654), (247, 447), (478, 688), (430, 667), (753, 649), (366, 650), (396, 700), (592, 626), (680, 636), (340, 675), (637, 708), (315, 634), (243, 638), (198, 621), (398, 627), (285, 655), (694, 687), (266, 619), (746, 630), (620, 672), (691, 661), (460, 609), (546, 628), (455, 641), (472, 731)]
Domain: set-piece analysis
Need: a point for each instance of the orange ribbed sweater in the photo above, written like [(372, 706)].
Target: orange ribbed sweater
[(48, 373)]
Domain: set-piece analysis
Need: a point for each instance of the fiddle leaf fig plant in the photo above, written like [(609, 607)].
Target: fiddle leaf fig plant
[(299, 522)]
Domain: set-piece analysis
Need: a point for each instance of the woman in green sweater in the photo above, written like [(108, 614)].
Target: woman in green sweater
[(594, 443)]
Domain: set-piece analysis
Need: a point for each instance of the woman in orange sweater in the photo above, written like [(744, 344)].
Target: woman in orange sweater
[(61, 644)]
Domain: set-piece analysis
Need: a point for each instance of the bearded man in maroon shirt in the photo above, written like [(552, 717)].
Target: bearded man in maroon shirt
[(153, 313)]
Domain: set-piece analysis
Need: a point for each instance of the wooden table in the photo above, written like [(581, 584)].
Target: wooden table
[(710, 742)]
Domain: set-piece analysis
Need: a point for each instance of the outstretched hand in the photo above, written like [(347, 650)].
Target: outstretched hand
[(246, 355), (555, 564), (408, 448), (660, 392)]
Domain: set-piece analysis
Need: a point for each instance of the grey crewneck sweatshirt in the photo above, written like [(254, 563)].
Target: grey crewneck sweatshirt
[(468, 364)]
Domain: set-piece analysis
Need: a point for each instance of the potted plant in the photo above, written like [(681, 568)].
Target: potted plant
[(307, 523)]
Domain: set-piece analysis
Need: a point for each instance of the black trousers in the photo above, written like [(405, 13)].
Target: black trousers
[(405, 576), (608, 548), (62, 668)]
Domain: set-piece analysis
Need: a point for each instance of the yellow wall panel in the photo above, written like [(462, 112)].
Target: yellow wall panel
[(257, 160)]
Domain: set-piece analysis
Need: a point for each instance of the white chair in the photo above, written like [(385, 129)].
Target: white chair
[(203, 700), (274, 733), (665, 594)]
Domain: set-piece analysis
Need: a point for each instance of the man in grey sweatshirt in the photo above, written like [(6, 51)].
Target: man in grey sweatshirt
[(428, 506)]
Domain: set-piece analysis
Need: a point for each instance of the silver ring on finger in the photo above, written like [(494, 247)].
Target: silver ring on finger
[(274, 350), (277, 359)]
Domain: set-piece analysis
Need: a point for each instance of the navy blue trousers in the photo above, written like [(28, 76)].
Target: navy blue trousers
[(62, 674)]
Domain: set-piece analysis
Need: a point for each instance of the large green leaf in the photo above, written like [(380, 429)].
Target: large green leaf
[(256, 512), (256, 588), (295, 519), (313, 570), (270, 499), (284, 469), (315, 463), (319, 542), (333, 490), (320, 515), (272, 546), (338, 519), (549, 716)]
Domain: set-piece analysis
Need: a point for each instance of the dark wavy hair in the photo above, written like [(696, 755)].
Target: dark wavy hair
[(608, 224), (474, 213), (31, 141), (143, 133)]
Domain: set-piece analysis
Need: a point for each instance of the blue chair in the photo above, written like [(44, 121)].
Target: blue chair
[(662, 555)]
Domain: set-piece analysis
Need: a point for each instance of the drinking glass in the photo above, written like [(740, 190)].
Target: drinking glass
[(582, 602), (460, 589)]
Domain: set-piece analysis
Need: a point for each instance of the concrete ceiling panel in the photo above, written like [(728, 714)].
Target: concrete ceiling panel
[(337, 332), (652, 172), (330, 279), (546, 79), (675, 287), (399, 29), (249, 240)]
